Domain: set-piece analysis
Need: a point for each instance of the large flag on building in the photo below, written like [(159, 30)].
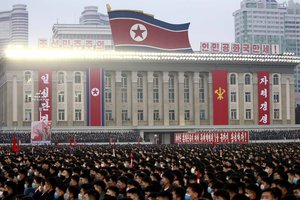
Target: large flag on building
[(220, 97), (137, 31), (95, 96)]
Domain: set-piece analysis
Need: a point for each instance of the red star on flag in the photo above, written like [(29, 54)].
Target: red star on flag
[(138, 32)]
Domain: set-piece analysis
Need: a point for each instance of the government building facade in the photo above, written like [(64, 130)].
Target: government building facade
[(146, 92)]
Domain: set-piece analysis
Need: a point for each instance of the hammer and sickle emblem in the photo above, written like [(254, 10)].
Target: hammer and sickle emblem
[(220, 91)]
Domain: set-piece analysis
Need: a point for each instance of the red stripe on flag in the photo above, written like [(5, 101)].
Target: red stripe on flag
[(220, 97), (95, 97)]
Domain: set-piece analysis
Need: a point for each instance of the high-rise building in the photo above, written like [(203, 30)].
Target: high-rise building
[(91, 16), (14, 26), (270, 22), (92, 26), (261, 22)]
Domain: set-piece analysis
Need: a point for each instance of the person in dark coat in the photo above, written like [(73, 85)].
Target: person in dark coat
[(10, 190), (49, 189), (60, 191)]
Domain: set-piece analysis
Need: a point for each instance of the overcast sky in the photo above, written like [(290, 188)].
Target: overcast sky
[(211, 20)]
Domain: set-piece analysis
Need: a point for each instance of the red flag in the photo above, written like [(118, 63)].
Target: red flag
[(14, 143), (133, 30), (95, 97), (220, 97), (18, 146), (70, 140), (198, 176), (75, 141), (131, 160)]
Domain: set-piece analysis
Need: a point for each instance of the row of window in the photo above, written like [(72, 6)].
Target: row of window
[(248, 79), (60, 77), (140, 96), (248, 97), (61, 115), (156, 115), (248, 114), (77, 80)]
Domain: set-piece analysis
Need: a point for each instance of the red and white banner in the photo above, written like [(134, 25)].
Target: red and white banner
[(224, 137), (220, 97), (95, 97), (41, 131), (237, 48), (45, 92), (263, 98), (73, 43)]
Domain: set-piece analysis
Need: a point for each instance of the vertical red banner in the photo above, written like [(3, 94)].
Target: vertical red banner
[(96, 103), (45, 92), (263, 83), (220, 97)]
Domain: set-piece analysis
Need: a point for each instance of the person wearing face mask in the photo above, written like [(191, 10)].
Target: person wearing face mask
[(21, 180), (65, 177), (193, 191), (291, 177), (253, 192), (265, 183), (29, 190), (37, 185), (71, 193), (49, 189), (60, 190)]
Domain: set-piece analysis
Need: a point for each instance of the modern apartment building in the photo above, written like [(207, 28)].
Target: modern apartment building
[(270, 22), (92, 26), (14, 26)]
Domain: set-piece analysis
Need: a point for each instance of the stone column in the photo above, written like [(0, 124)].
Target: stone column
[(181, 99), (165, 97), (196, 104), (134, 98), (150, 98), (118, 104)]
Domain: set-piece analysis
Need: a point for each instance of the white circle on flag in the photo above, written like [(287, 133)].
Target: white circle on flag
[(138, 32), (95, 92)]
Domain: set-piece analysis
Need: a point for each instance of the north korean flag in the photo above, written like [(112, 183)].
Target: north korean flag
[(136, 31), (95, 97)]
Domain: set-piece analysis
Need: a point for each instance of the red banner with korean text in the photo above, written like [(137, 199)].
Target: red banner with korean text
[(45, 95), (263, 98), (223, 137), (220, 97)]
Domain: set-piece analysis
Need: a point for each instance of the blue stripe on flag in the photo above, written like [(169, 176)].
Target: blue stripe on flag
[(146, 18)]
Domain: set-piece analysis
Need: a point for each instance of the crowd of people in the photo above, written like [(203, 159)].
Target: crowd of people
[(134, 136), (94, 137), (148, 172), (275, 135)]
